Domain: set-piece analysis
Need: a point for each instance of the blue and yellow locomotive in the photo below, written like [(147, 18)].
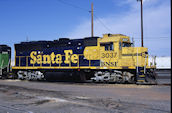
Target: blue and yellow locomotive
[(110, 58)]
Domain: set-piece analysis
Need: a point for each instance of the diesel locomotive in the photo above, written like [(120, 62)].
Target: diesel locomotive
[(5, 60), (111, 58)]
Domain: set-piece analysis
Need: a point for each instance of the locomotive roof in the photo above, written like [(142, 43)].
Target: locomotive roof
[(57, 41), (113, 38), (4, 48), (61, 42)]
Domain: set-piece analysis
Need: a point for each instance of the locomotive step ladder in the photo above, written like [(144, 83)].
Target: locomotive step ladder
[(0, 71), (140, 75), (1, 67)]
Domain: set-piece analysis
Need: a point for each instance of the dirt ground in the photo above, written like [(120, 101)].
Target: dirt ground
[(47, 97)]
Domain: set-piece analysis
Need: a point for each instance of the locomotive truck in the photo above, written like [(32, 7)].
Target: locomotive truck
[(111, 58)]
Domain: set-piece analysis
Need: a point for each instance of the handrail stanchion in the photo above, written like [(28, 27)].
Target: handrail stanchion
[(89, 63), (78, 61), (19, 61)]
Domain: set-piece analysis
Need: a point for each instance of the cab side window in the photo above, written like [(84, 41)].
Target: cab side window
[(120, 45), (108, 46)]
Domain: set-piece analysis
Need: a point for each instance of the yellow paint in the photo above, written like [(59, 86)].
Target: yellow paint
[(52, 58), (62, 67), (119, 56), (141, 75), (46, 59), (74, 58), (91, 53), (67, 56), (39, 59), (58, 59), (33, 58), (141, 80)]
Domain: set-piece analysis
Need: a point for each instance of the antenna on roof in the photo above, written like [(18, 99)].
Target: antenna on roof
[(133, 41), (27, 38)]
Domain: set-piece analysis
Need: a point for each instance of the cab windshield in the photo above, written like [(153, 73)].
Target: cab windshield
[(126, 44)]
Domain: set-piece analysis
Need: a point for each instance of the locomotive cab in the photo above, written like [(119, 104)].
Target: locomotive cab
[(116, 52)]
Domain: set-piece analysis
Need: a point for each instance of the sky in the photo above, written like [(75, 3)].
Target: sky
[(31, 20)]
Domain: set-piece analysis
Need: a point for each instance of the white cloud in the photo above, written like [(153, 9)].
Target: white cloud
[(157, 23)]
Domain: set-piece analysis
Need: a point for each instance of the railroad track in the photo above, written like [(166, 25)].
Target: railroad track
[(164, 77)]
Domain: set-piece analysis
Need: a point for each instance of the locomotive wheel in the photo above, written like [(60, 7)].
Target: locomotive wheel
[(151, 77)]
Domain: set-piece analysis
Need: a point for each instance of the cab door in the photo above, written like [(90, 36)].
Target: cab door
[(108, 55)]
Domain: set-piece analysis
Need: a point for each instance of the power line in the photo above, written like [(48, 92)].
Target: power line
[(102, 23), (72, 5), (153, 38), (85, 10)]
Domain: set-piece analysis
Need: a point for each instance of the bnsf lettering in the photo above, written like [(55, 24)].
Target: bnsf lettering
[(52, 58), (108, 63)]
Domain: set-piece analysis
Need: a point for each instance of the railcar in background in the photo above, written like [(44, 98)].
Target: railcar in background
[(5, 61)]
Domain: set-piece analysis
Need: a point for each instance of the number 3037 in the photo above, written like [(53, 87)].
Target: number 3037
[(108, 55)]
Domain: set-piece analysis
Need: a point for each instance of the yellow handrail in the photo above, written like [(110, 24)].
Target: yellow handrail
[(27, 61)]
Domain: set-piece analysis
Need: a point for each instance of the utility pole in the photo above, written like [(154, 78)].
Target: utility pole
[(92, 35), (141, 2)]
